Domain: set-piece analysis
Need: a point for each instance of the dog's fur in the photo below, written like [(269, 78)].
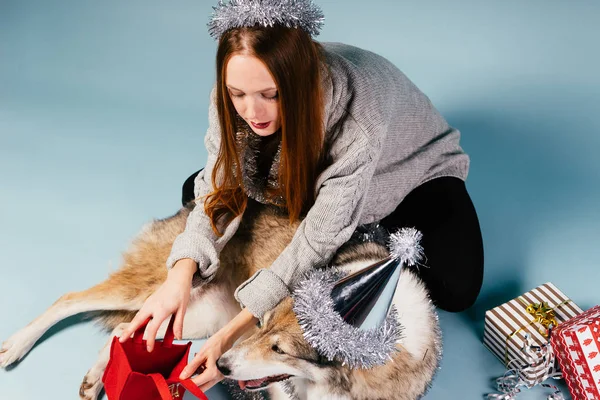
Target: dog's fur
[(275, 349)]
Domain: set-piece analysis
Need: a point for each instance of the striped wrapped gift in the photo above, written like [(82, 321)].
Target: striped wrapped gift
[(507, 325)]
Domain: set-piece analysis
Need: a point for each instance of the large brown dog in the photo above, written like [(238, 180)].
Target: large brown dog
[(274, 357)]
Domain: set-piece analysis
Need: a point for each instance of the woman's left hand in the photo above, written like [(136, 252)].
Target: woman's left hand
[(205, 362), (214, 348)]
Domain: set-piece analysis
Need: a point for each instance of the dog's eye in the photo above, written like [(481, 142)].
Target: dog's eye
[(277, 350)]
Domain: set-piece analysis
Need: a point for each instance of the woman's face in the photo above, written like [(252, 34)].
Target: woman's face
[(253, 93)]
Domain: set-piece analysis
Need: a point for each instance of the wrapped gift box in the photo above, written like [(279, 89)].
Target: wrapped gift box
[(507, 325), (576, 344)]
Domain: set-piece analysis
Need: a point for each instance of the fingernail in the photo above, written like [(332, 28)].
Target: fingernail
[(149, 349)]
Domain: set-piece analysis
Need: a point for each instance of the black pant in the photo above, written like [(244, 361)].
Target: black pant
[(444, 213), (452, 244)]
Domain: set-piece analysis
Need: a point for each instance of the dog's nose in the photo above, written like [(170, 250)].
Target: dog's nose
[(223, 366)]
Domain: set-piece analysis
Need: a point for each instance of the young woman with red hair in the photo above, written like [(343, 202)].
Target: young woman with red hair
[(331, 133)]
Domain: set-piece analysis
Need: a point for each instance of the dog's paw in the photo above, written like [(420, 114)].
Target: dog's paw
[(91, 385), (13, 350)]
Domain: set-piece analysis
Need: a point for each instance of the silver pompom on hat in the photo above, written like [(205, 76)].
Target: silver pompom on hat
[(303, 14), (331, 307)]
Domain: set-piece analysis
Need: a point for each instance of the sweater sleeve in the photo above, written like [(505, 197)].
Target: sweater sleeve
[(328, 224), (198, 241)]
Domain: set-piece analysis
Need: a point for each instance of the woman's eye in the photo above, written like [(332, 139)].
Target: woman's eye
[(237, 95), (277, 350), (271, 97)]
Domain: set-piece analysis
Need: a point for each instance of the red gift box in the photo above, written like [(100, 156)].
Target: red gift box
[(576, 343)]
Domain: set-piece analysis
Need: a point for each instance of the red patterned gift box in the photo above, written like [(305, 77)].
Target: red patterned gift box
[(577, 347)]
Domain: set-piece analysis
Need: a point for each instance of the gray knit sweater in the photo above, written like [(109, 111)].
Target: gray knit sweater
[(386, 139)]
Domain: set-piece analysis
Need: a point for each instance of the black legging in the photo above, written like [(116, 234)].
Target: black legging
[(444, 213)]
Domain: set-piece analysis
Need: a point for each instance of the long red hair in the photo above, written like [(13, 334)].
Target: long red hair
[(294, 60)]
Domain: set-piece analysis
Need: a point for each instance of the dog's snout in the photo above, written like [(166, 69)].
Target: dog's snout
[(223, 366)]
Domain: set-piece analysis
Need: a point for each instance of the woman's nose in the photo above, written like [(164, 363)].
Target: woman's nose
[(253, 109)]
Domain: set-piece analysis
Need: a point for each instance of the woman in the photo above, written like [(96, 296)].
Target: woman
[(329, 132)]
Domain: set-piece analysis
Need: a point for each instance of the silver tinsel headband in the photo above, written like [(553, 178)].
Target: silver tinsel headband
[(302, 14)]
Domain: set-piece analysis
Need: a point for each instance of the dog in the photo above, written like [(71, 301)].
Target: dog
[(274, 357)]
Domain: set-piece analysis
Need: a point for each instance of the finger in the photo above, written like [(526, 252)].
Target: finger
[(151, 331), (203, 378), (139, 320), (196, 365), (207, 379), (178, 324), (135, 323)]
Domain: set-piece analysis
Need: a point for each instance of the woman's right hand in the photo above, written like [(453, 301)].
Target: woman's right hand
[(171, 297)]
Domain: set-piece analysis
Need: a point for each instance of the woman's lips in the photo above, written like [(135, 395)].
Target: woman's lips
[(263, 125)]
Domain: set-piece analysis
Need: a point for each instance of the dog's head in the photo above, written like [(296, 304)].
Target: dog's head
[(275, 353)]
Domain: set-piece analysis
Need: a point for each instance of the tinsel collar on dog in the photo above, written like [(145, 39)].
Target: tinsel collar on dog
[(247, 13)]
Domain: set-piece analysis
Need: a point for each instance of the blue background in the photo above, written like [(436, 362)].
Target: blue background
[(103, 110)]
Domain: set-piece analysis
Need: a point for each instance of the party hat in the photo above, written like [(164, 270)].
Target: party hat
[(330, 307), (355, 295)]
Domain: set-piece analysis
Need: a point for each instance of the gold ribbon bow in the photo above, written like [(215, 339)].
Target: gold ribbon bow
[(543, 314)]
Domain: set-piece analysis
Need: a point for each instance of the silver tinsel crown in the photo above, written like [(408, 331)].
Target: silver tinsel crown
[(302, 14)]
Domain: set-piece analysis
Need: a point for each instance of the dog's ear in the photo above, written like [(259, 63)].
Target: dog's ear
[(265, 319)]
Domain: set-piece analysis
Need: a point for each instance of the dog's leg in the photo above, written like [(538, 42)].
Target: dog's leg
[(100, 297), (206, 313), (92, 382)]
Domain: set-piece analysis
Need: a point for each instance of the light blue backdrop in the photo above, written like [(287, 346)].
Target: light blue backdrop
[(103, 109)]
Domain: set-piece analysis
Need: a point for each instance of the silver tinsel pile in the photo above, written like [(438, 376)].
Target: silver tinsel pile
[(334, 338), (290, 13)]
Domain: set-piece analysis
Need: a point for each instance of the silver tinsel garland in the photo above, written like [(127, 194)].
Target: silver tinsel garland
[(290, 13), (249, 146), (326, 330)]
